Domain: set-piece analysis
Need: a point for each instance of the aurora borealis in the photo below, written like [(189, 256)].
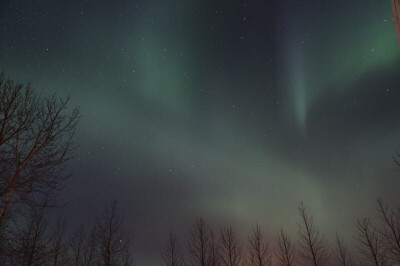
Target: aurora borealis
[(230, 110)]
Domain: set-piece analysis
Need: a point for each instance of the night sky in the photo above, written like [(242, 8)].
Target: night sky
[(230, 110)]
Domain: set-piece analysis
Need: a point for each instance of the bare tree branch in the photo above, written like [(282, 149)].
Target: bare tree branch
[(369, 243), (58, 247), (286, 251), (76, 245), (112, 236), (172, 255), (231, 251), (29, 243), (36, 140), (259, 250), (199, 244), (342, 254), (313, 248), (214, 252), (90, 249), (396, 158), (389, 230)]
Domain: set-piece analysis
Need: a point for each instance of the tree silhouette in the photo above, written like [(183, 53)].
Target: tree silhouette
[(90, 248), (214, 256), (58, 247), (199, 246), (36, 137), (369, 243), (29, 243), (29, 240), (5, 231), (342, 254), (259, 250), (389, 230), (285, 251), (231, 252), (313, 248), (83, 248), (172, 253), (112, 237), (396, 157), (76, 245), (127, 259)]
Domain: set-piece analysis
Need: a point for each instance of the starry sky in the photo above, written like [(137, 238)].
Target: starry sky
[(231, 110)]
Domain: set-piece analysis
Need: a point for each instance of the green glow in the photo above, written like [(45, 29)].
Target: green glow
[(161, 76), (344, 54)]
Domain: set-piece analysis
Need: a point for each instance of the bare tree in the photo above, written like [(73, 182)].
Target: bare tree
[(29, 244), (83, 247), (90, 248), (76, 245), (172, 255), (231, 251), (127, 259), (285, 251), (58, 247), (214, 256), (5, 230), (112, 237), (396, 158), (199, 243), (259, 250), (36, 137), (313, 247), (369, 243), (342, 254), (390, 230)]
